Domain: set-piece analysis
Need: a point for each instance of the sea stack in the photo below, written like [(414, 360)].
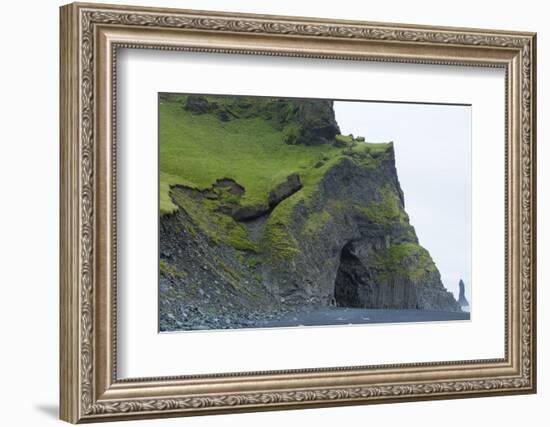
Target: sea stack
[(462, 296)]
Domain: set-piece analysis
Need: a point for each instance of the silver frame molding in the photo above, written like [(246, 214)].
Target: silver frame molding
[(90, 37)]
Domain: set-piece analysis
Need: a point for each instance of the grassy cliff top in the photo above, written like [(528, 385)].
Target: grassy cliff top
[(250, 143)]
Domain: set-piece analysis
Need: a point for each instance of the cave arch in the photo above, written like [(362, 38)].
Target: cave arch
[(352, 286)]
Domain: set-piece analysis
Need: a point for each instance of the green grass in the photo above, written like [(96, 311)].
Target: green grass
[(198, 149)]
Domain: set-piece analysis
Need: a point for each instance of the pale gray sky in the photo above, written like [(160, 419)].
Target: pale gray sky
[(432, 150)]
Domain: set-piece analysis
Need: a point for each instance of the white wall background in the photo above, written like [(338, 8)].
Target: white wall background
[(29, 170)]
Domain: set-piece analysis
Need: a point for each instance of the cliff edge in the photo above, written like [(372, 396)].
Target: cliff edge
[(265, 207)]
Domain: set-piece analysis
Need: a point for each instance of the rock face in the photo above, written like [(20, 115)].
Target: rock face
[(316, 123), (203, 284), (285, 189), (305, 121), (341, 239), (462, 295), (354, 245)]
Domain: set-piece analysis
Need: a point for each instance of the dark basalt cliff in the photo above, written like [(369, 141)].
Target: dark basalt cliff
[(333, 233)]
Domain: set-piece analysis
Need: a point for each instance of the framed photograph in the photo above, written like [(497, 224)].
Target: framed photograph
[(267, 212)]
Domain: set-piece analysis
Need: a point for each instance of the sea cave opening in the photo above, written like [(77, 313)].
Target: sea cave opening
[(348, 279)]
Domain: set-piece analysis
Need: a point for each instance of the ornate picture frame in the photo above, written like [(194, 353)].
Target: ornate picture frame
[(90, 37)]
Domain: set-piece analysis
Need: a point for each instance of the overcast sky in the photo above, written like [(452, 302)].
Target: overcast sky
[(432, 151)]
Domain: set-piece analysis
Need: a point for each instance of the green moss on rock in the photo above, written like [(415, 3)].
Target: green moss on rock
[(217, 226), (388, 210), (316, 222), (279, 243), (406, 259), (170, 271)]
